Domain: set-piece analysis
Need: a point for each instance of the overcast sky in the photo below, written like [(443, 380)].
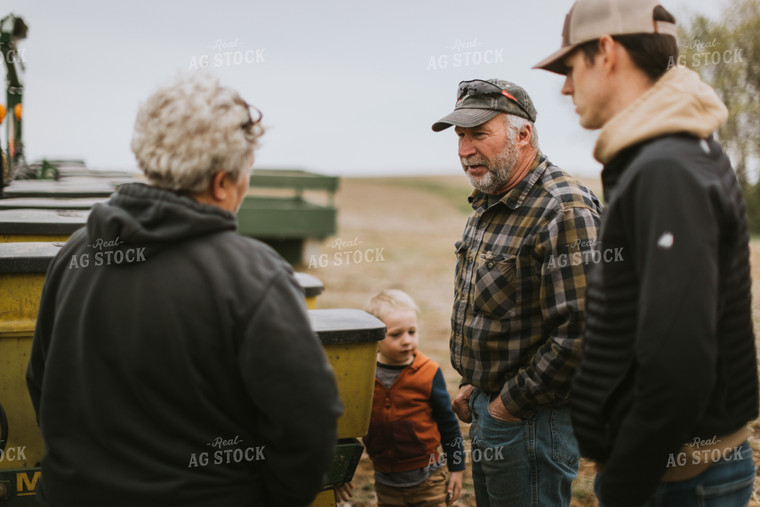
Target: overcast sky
[(347, 87)]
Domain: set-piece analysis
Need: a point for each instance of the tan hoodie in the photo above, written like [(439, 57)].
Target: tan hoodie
[(678, 102)]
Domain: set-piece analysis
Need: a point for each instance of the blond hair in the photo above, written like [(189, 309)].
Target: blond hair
[(390, 300), (191, 129)]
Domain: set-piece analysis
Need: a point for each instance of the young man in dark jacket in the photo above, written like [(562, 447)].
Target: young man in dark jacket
[(668, 375), (173, 362)]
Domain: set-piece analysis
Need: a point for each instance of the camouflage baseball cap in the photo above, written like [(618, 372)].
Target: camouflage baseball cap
[(480, 100)]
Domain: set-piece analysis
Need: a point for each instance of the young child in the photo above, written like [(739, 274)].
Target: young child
[(411, 415)]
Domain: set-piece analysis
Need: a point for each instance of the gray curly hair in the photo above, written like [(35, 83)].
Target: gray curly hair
[(191, 129)]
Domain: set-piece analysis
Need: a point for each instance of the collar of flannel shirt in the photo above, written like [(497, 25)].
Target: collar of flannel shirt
[(515, 197)]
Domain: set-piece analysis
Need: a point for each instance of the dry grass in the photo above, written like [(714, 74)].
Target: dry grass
[(416, 221)]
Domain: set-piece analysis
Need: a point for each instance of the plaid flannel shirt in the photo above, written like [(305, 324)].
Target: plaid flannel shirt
[(520, 288)]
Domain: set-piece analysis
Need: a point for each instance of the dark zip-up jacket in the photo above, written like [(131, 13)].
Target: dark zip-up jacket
[(173, 363), (668, 352)]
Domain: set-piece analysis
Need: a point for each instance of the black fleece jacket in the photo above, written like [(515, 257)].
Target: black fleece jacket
[(173, 363), (669, 351)]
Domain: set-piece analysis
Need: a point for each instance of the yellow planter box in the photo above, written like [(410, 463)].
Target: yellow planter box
[(350, 338), (22, 273), (312, 287), (36, 225)]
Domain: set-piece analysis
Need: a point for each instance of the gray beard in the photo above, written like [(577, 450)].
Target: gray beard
[(498, 170)]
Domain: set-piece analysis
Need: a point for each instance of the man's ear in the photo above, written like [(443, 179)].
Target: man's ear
[(608, 53), (524, 134)]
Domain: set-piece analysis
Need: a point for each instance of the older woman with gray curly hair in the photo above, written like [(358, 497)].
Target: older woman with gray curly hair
[(177, 365), (190, 131)]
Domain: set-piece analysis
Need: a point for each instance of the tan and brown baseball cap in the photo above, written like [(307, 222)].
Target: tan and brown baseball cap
[(590, 19)]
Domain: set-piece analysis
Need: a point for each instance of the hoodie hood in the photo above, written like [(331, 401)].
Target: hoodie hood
[(679, 102), (141, 214)]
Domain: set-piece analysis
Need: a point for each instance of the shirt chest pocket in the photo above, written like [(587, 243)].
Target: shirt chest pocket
[(460, 272), (494, 287)]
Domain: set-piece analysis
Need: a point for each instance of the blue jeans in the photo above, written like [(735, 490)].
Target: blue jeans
[(727, 483), (530, 463)]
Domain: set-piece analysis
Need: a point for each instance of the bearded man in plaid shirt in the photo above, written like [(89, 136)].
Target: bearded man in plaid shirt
[(519, 299)]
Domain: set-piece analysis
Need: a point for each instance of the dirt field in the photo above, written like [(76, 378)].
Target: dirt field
[(410, 225)]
